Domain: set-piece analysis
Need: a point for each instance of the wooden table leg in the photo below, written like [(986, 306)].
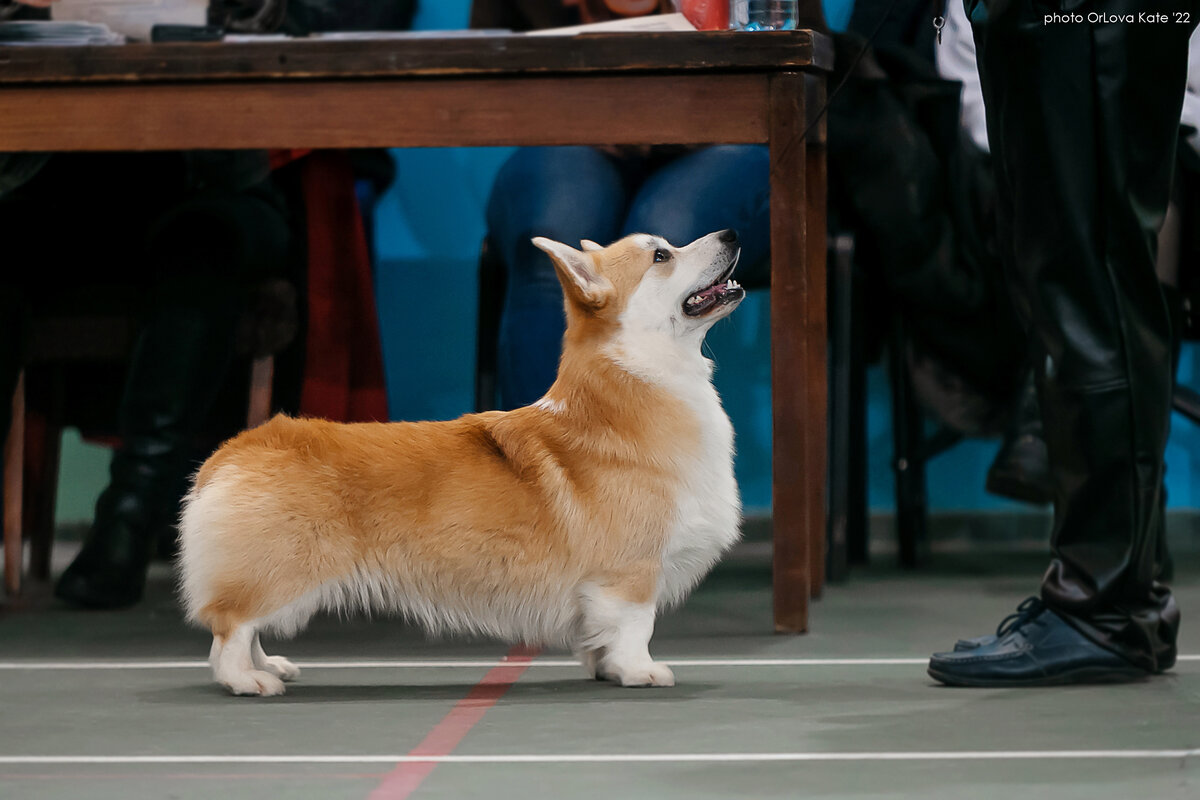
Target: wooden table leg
[(14, 469), (817, 333), (793, 361)]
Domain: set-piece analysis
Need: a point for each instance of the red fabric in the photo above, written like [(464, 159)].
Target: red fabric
[(343, 372), (281, 158)]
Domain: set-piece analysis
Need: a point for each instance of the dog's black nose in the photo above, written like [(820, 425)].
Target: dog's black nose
[(729, 236)]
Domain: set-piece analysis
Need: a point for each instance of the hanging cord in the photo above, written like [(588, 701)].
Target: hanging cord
[(854, 63)]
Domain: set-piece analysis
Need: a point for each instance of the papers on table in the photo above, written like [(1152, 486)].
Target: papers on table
[(93, 22), (651, 23), (373, 36), (364, 36), (132, 18), (56, 34)]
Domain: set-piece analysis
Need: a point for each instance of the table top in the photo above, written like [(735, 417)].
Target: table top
[(419, 57)]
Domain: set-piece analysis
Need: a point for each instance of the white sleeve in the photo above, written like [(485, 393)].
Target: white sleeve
[(1191, 97), (956, 62)]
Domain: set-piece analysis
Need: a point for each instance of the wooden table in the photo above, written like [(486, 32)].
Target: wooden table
[(679, 88)]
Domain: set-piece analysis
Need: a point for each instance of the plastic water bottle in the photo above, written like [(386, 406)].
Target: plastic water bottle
[(764, 15)]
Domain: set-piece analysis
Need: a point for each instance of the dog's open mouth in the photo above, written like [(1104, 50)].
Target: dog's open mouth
[(721, 292)]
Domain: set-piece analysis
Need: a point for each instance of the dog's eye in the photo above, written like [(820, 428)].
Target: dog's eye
[(661, 255)]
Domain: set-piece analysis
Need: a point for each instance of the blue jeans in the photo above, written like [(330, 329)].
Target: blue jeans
[(574, 193)]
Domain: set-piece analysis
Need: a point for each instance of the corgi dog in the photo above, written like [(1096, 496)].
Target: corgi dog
[(571, 522)]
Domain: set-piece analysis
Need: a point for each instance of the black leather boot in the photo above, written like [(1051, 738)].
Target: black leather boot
[(1021, 469), (205, 250), (181, 358)]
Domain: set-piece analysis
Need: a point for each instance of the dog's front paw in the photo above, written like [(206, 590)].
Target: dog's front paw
[(254, 683), (651, 674)]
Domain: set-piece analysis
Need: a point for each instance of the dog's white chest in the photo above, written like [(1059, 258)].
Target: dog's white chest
[(708, 508)]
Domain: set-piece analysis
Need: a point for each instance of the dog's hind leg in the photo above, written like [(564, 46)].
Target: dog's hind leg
[(235, 667), (214, 653), (590, 659), (276, 665), (617, 632)]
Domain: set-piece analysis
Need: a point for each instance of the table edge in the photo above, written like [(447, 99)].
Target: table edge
[(408, 59)]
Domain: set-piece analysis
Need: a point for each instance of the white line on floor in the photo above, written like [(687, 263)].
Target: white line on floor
[(570, 758), (464, 663), (483, 663)]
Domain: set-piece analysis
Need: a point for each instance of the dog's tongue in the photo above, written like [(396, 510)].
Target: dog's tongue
[(704, 299)]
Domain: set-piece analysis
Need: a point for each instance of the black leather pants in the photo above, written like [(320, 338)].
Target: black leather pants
[(1083, 119)]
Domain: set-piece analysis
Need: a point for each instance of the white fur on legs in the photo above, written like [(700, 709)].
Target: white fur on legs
[(590, 659), (621, 630), (278, 666), (214, 653), (235, 670)]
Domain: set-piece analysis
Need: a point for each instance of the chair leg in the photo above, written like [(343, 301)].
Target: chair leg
[(43, 446), (14, 474), (840, 422), (487, 331), (857, 525), (908, 464), (262, 379)]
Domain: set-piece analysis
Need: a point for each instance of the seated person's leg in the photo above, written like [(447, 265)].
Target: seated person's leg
[(566, 194), (708, 190), (30, 229), (13, 306), (202, 254)]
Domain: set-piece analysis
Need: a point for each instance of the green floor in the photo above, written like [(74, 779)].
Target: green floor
[(869, 725)]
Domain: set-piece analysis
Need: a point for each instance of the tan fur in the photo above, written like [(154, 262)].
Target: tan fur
[(518, 507), (532, 492)]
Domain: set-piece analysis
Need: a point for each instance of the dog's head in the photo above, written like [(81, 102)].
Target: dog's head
[(645, 284)]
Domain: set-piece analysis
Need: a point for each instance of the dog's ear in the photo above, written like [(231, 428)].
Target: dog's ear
[(576, 272), (589, 246)]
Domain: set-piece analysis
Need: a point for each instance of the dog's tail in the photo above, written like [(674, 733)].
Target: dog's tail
[(203, 515)]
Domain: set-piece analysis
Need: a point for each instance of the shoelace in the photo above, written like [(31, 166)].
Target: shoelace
[(1030, 607)]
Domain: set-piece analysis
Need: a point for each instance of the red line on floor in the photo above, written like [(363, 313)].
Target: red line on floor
[(198, 776), (447, 734)]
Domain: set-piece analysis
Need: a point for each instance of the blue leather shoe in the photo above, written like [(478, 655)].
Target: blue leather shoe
[(1026, 606), (1034, 647)]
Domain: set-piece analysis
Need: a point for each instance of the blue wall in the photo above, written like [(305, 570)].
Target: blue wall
[(429, 227)]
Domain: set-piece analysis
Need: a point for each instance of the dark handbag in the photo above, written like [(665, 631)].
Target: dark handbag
[(247, 16), (302, 17)]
